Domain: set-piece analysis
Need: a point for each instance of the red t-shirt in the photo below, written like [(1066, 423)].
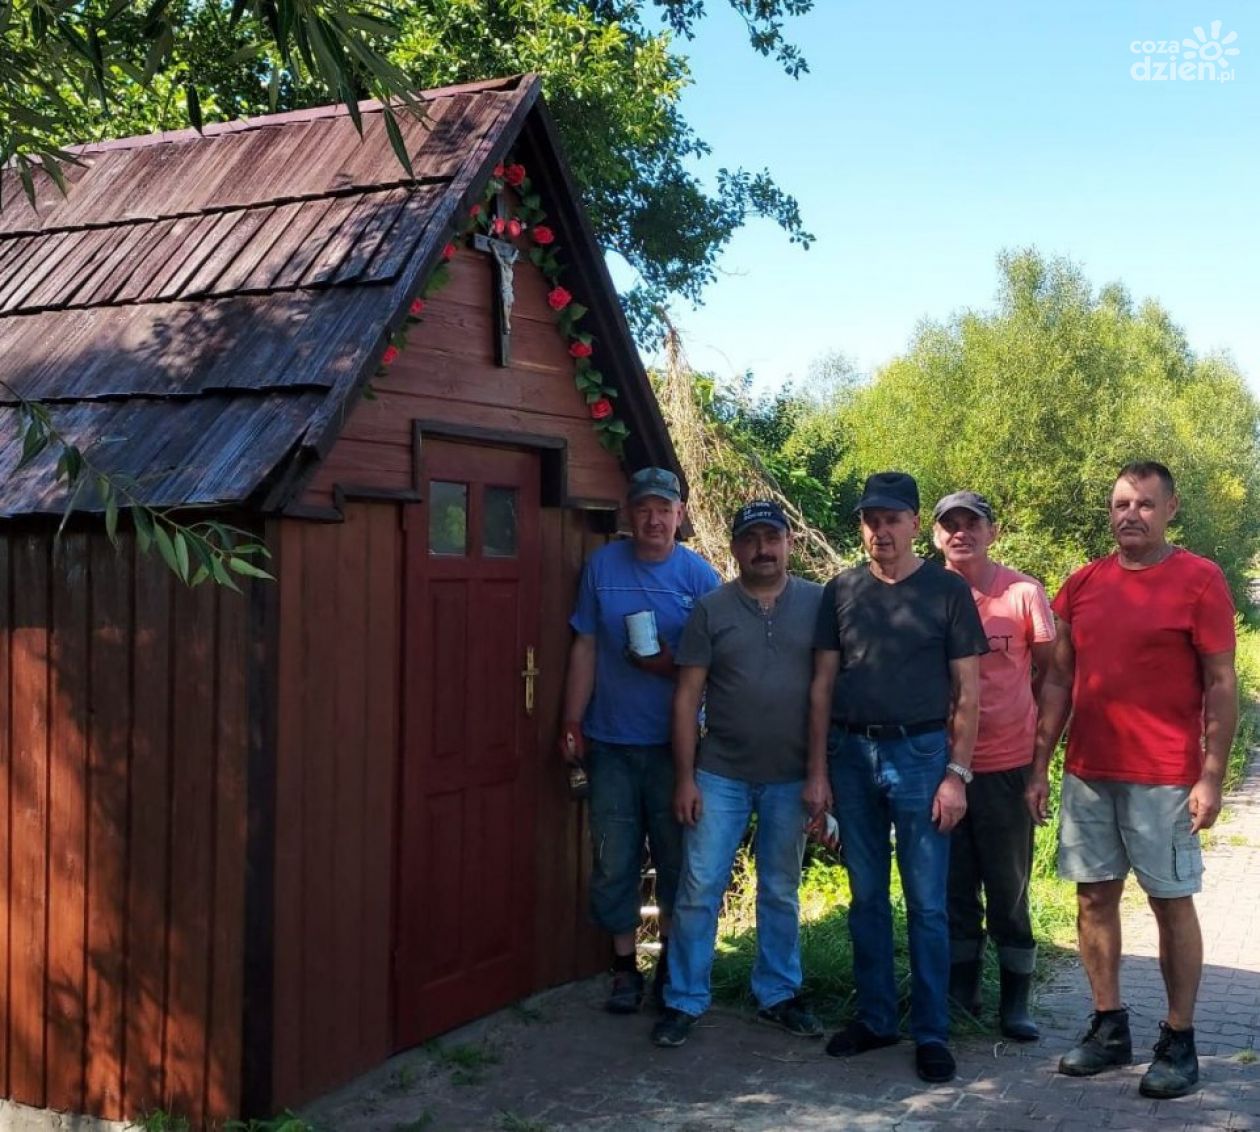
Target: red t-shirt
[(1137, 697)]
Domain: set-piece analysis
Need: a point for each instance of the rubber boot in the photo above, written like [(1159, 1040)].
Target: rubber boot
[(1014, 1019), (964, 985), (1106, 1044)]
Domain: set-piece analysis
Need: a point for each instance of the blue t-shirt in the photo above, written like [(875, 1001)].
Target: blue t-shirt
[(630, 706)]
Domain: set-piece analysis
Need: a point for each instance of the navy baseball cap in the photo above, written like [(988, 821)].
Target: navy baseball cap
[(654, 481), (894, 491), (758, 511), (971, 501)]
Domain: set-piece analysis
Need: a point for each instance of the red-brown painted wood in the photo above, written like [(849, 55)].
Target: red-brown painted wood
[(468, 755)]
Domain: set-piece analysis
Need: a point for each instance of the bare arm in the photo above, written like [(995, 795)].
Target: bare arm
[(817, 795), (579, 683), (1220, 721), (1042, 658), (1054, 705), (688, 691), (950, 803)]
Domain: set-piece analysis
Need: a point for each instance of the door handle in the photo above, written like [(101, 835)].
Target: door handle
[(528, 673)]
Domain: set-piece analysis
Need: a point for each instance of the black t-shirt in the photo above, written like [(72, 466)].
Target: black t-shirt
[(896, 641)]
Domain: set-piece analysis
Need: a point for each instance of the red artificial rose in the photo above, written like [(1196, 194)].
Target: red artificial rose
[(514, 228), (475, 210), (498, 225), (499, 170), (417, 308), (543, 235), (558, 298), (391, 352), (448, 252), (580, 350), (601, 409), (514, 175)]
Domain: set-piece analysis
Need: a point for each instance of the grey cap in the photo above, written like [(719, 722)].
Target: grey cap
[(892, 491), (971, 501), (654, 481)]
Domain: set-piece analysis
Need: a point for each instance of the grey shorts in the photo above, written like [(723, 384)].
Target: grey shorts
[(1107, 828)]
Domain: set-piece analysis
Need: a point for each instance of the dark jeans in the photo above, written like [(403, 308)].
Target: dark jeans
[(632, 794), (991, 853)]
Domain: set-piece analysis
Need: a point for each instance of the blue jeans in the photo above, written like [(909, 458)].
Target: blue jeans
[(878, 784), (632, 795), (709, 849)]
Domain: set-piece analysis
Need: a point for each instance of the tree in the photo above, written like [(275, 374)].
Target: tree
[(1038, 403), (77, 71)]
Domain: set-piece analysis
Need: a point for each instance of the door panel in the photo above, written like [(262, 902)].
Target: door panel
[(471, 603)]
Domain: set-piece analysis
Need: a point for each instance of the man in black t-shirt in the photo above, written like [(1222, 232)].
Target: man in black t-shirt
[(894, 704)]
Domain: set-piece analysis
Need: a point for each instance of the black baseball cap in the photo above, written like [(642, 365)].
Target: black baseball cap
[(894, 491), (971, 501), (758, 511), (654, 481)]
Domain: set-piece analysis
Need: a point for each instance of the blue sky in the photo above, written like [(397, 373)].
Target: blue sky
[(927, 137)]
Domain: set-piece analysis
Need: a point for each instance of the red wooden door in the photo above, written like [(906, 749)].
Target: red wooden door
[(471, 605)]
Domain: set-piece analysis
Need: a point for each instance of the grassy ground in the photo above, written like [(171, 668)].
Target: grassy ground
[(825, 952)]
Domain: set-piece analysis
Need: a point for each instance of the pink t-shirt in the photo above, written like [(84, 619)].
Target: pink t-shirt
[(1016, 615)]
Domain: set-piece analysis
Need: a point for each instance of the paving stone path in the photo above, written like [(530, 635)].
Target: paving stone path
[(560, 1063)]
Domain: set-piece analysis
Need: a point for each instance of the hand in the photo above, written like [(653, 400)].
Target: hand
[(950, 803), (662, 664), (824, 829), (817, 796), (572, 744), (1037, 797), (688, 803), (1205, 804)]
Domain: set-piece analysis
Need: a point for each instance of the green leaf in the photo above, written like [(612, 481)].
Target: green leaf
[(241, 566), (396, 141), (34, 441), (575, 311), (200, 576), (181, 554), (165, 548), (144, 528), (111, 515)]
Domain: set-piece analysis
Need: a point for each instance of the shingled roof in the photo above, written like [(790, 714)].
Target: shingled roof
[(200, 310)]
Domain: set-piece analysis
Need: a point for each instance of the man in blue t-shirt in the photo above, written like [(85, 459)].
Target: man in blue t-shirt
[(617, 716)]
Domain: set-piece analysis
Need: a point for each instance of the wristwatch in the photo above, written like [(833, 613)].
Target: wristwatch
[(963, 772)]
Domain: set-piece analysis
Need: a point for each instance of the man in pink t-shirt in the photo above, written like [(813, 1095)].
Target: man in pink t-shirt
[(990, 852), (1144, 663)]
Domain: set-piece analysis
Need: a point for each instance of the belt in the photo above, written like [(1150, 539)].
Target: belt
[(893, 730)]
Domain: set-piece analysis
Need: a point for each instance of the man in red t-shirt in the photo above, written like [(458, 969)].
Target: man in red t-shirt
[(1144, 662), (991, 848)]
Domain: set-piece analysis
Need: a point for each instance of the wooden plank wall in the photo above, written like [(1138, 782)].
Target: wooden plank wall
[(447, 373), (336, 773), (566, 944), (122, 831)]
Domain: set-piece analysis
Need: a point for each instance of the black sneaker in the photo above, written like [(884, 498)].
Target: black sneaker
[(1174, 1072), (672, 1030), (1106, 1044), (857, 1038), (794, 1016), (626, 995), (934, 1063)]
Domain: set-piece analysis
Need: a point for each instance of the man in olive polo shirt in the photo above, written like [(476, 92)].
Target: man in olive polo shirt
[(747, 651)]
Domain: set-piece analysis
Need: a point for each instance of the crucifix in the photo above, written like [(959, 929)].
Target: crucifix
[(503, 257)]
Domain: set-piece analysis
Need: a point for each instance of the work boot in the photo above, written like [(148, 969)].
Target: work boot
[(1105, 1045), (1014, 1020), (964, 985), (1175, 1070)]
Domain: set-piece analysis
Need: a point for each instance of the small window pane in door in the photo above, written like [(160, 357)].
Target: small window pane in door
[(448, 518), (499, 523)]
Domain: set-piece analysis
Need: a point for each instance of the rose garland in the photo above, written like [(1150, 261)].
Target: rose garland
[(527, 220)]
